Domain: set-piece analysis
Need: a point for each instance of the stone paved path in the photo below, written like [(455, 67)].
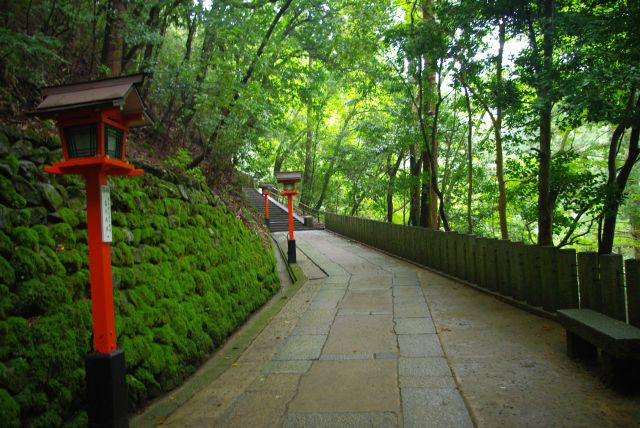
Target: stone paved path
[(357, 347)]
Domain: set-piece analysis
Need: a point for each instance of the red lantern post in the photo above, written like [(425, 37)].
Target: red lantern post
[(266, 192), (289, 180), (93, 119)]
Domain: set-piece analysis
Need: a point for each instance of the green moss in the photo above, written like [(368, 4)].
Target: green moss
[(81, 236), (26, 263), (72, 260), (52, 262), (69, 216), (6, 245), (9, 410), (35, 297), (63, 235), (9, 196), (7, 273), (78, 284), (122, 255), (26, 237), (44, 237)]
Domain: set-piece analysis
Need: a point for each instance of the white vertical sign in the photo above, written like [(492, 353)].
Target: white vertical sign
[(105, 211)]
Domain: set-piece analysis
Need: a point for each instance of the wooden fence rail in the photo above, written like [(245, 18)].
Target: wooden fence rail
[(544, 277)]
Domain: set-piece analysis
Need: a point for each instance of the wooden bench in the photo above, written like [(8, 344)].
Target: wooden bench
[(588, 331)]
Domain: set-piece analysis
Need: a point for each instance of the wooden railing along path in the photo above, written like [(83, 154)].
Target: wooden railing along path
[(544, 278)]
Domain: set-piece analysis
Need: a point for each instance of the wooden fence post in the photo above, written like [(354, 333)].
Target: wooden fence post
[(532, 275), (461, 249), (490, 265), (470, 249), (612, 286), (589, 281), (567, 280), (516, 269), (503, 275), (481, 270), (632, 268), (549, 277)]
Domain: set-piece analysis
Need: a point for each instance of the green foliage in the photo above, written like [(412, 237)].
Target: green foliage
[(180, 162), (10, 415)]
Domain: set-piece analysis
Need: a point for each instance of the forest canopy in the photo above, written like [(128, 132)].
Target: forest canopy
[(514, 119)]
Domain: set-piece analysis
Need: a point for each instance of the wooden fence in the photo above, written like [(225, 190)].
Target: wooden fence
[(542, 277)]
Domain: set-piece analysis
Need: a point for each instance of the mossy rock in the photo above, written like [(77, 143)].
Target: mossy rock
[(52, 262), (26, 263), (63, 235), (71, 259), (9, 196), (50, 196), (35, 297), (26, 237), (38, 216), (44, 237), (69, 216), (12, 163), (22, 148), (122, 255)]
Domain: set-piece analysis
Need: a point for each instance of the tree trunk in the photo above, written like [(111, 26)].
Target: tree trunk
[(545, 203), (415, 165), (497, 129), (392, 172), (616, 185), (469, 159), (113, 37), (306, 174)]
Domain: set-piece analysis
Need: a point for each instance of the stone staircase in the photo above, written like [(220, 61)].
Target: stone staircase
[(278, 217)]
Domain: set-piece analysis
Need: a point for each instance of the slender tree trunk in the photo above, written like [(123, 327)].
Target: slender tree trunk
[(545, 204), (415, 165), (497, 129), (113, 37), (392, 171), (429, 202), (469, 159), (616, 185), (306, 174)]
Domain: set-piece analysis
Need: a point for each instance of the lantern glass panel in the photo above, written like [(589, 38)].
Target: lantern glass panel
[(288, 186), (113, 142), (81, 140)]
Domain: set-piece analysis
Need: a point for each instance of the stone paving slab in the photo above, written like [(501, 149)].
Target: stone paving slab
[(420, 345), (427, 407), (411, 310), (315, 321), (303, 347), (361, 333), (342, 420), (294, 366), (429, 372), (348, 386), (414, 326), (367, 301)]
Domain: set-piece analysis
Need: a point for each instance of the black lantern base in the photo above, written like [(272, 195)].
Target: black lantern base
[(291, 250), (106, 390)]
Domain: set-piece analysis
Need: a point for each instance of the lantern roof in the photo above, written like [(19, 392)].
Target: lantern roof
[(268, 186), (289, 177), (119, 92)]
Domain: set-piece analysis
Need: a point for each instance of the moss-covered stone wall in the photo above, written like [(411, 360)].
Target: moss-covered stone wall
[(186, 273)]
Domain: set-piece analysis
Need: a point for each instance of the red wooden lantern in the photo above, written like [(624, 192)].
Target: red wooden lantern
[(266, 192), (93, 119), (289, 180)]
